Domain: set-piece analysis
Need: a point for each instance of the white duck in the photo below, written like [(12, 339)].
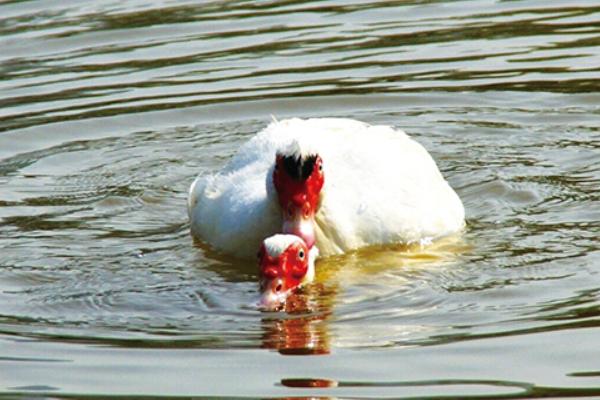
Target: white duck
[(339, 183)]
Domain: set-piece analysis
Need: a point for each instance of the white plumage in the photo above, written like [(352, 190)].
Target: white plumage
[(277, 244), (380, 187)]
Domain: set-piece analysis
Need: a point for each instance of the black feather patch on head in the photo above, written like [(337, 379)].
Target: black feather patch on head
[(299, 168)]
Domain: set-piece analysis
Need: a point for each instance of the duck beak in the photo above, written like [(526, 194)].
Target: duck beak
[(301, 227), (273, 295)]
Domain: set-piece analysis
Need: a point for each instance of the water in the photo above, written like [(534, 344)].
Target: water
[(108, 110)]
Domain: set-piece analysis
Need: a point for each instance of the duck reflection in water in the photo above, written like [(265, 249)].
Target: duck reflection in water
[(302, 325), (299, 308), (287, 269)]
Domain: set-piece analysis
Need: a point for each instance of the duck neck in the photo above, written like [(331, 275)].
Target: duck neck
[(313, 254)]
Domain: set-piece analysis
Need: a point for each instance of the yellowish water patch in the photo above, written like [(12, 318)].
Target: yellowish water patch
[(358, 265)]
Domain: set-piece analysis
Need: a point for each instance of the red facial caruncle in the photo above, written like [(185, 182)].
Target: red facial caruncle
[(281, 271), (298, 181)]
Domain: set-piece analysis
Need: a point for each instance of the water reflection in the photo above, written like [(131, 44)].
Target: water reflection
[(304, 327), (384, 273), (108, 110)]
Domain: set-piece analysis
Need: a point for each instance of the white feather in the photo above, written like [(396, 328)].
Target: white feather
[(380, 187), (298, 149), (277, 244)]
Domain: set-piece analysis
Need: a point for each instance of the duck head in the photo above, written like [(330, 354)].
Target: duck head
[(286, 263), (298, 179)]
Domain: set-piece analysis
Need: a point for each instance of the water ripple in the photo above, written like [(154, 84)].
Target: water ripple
[(108, 110)]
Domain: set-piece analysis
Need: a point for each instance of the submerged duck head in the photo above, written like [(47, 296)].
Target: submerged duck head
[(286, 263)]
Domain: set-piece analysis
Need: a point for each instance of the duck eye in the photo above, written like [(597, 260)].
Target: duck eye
[(320, 167), (301, 254)]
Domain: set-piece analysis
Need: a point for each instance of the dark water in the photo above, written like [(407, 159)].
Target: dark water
[(109, 109)]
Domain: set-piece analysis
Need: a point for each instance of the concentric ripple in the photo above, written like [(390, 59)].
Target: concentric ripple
[(108, 111)]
